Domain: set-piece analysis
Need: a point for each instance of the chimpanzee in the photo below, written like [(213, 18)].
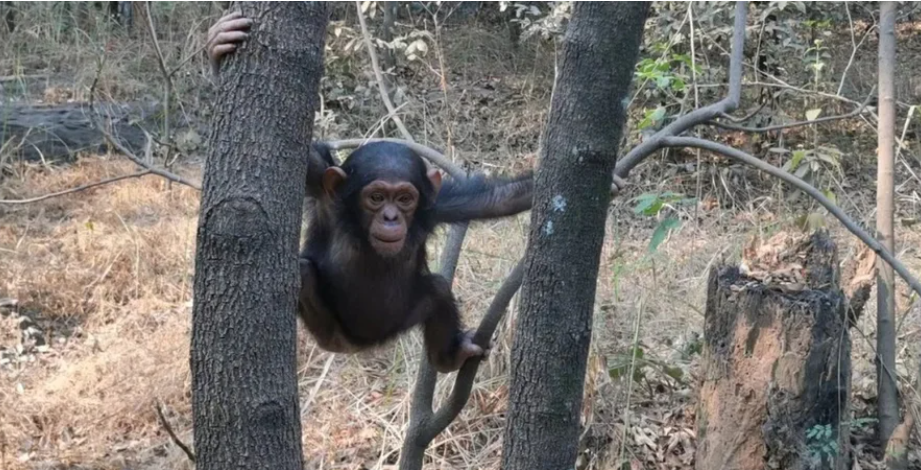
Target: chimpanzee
[(364, 273)]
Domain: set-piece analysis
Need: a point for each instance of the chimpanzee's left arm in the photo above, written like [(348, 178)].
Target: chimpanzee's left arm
[(479, 197)]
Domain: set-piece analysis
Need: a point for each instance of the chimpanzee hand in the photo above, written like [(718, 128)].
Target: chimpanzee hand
[(469, 349), (224, 36), (617, 185)]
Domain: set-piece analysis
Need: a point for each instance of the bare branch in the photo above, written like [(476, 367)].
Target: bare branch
[(378, 75), (747, 116), (702, 115), (428, 153), (94, 118), (738, 155), (167, 82), (169, 430), (77, 189), (463, 384), (778, 127)]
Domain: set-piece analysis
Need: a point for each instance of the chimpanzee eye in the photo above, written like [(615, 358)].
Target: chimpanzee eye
[(377, 198), (405, 199)]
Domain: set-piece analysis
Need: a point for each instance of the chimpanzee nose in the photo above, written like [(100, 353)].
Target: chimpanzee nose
[(390, 215)]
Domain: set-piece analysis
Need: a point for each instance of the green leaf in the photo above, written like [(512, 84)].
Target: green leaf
[(658, 114), (798, 156), (662, 230), (647, 204), (674, 372), (812, 114), (663, 81), (678, 84)]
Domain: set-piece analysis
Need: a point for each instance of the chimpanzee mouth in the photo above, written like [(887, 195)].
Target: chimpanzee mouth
[(387, 241)]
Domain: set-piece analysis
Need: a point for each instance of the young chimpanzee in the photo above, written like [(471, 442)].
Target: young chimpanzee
[(364, 272)]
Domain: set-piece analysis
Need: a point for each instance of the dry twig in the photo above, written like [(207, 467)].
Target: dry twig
[(94, 118), (77, 189), (169, 430)]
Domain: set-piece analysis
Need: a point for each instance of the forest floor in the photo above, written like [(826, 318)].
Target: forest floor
[(95, 290)]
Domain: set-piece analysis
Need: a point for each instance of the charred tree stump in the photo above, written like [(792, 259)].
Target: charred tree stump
[(776, 363)]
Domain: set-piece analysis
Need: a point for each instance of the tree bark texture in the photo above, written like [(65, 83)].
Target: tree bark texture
[(573, 183), (776, 365), (887, 388), (244, 330)]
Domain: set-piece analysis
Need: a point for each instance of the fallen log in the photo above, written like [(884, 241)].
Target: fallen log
[(57, 133)]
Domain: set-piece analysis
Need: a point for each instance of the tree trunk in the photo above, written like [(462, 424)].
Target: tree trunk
[(244, 384), (386, 34), (9, 15), (776, 364), (573, 183), (887, 389)]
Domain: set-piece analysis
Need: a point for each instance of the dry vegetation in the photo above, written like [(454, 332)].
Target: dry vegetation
[(102, 278)]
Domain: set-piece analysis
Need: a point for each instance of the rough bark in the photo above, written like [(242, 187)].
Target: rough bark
[(887, 389), (776, 363), (244, 384), (573, 182)]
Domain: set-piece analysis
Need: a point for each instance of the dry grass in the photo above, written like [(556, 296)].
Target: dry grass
[(119, 259)]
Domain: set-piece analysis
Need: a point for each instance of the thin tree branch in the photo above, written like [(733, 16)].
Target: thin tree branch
[(169, 430), (854, 46), (747, 116), (702, 115), (428, 153), (94, 118), (378, 75), (167, 85), (778, 127), (738, 155), (463, 384), (77, 189)]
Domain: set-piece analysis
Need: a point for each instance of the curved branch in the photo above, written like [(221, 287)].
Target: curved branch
[(77, 189), (772, 170), (702, 115), (432, 155), (778, 127), (463, 384)]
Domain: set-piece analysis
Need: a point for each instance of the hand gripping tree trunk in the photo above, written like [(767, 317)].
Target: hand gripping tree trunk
[(244, 385), (572, 194)]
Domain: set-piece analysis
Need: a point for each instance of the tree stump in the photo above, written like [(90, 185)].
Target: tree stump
[(776, 361)]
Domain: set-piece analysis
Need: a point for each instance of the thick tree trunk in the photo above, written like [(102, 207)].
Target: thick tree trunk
[(567, 229), (887, 388), (244, 385), (776, 364)]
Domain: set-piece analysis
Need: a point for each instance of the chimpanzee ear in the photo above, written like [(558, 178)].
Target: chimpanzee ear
[(332, 178), (435, 177)]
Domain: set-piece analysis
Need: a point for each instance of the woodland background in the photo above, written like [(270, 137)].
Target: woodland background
[(95, 285)]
